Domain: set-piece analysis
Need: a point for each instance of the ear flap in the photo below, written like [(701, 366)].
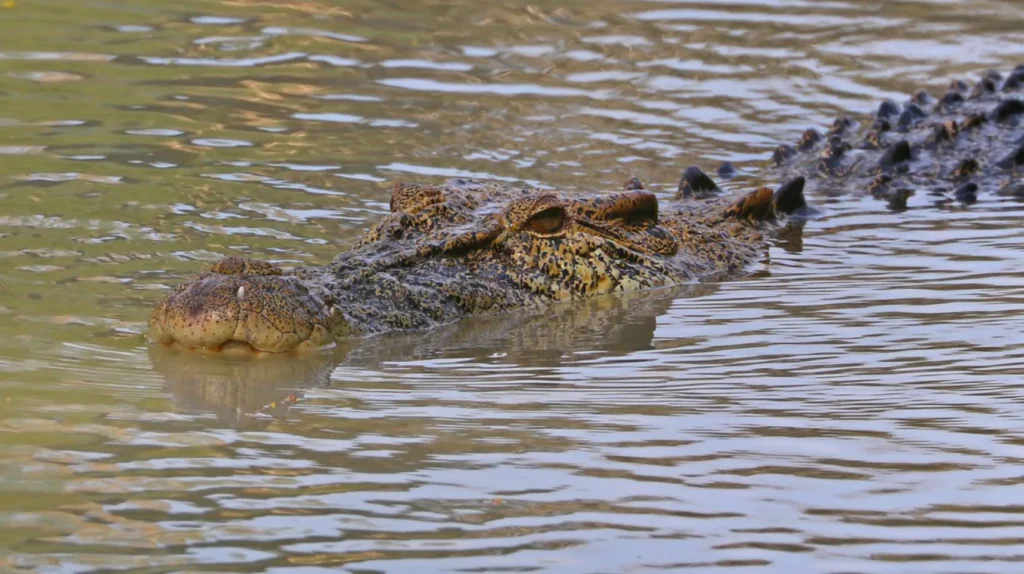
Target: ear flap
[(410, 198)]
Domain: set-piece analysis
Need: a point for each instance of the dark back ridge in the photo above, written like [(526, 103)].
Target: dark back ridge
[(968, 141)]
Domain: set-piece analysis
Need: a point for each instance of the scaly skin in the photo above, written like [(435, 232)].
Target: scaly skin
[(468, 247), (966, 142)]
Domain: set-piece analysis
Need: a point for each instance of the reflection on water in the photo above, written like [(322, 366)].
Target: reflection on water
[(849, 407), (534, 343)]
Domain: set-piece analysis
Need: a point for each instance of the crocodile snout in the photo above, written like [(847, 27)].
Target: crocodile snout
[(267, 312)]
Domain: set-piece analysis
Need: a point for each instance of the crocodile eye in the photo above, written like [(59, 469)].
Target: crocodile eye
[(547, 221)]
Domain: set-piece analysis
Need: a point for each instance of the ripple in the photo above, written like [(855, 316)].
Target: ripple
[(133, 28), (361, 177), (335, 60), (57, 56), (272, 182), (220, 142), (425, 65), (420, 84), (330, 117), (851, 405), (352, 97), (51, 77), (441, 172), (21, 149), (216, 20), (231, 43), (225, 62), (809, 20), (630, 41), (275, 213), (239, 230), (311, 32), (155, 132), (306, 167), (352, 119), (70, 176)]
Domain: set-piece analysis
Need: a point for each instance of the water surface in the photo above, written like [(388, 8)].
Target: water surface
[(851, 406)]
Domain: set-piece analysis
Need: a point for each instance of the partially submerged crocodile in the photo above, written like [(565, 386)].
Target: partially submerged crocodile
[(469, 247), (465, 247)]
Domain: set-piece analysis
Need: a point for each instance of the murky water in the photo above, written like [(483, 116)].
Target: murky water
[(853, 406)]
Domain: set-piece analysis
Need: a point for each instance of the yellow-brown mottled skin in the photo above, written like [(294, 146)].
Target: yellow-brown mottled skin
[(250, 302), (466, 247), (469, 247)]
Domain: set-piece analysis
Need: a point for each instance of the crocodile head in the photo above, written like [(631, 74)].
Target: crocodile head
[(462, 248)]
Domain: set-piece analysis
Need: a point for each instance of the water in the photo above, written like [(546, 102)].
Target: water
[(852, 406)]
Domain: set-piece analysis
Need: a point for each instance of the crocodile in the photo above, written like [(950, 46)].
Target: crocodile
[(466, 247)]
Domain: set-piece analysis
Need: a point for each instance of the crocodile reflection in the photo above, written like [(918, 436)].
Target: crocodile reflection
[(235, 388)]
